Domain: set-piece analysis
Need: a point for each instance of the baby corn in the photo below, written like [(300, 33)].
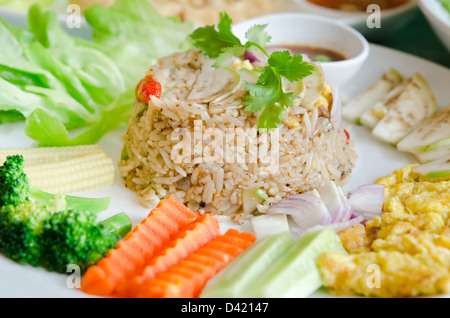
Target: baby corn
[(66, 169)]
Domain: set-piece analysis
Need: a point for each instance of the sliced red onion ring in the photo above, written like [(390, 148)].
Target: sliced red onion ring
[(367, 200), (250, 56), (332, 198), (347, 207), (329, 206), (340, 226), (306, 209)]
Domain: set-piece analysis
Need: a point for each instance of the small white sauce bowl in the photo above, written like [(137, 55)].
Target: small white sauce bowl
[(439, 19), (315, 31), (389, 19)]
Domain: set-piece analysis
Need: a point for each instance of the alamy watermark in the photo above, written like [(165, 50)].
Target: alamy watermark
[(374, 279), (74, 278), (374, 19), (74, 16), (232, 145), (73, 20)]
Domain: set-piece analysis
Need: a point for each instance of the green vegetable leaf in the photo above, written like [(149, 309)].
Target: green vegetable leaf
[(266, 91), (227, 54), (291, 67), (257, 34), (270, 117), (214, 41), (267, 94), (48, 130), (134, 35)]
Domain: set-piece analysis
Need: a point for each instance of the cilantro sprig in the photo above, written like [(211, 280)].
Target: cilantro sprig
[(267, 94)]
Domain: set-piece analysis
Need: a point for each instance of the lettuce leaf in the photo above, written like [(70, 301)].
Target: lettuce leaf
[(72, 91), (135, 35), (48, 130), (25, 4)]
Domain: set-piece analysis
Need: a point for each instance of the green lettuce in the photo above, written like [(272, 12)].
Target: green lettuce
[(26, 4), (72, 91), (135, 35), (49, 131)]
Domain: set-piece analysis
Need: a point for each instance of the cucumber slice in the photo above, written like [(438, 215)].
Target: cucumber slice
[(415, 104), (370, 118), (353, 110), (245, 269), (435, 169), (295, 273), (432, 134), (434, 154)]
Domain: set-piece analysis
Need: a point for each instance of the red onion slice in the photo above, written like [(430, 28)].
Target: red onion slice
[(306, 209), (250, 57), (367, 200), (332, 198)]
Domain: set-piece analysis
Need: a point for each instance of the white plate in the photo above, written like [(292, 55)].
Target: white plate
[(376, 160)]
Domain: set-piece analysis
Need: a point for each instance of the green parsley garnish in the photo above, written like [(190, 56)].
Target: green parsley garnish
[(267, 95)]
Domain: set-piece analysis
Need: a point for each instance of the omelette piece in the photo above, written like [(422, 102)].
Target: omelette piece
[(356, 238), (403, 253), (385, 274)]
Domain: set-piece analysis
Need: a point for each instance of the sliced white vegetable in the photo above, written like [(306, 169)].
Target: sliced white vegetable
[(331, 197), (346, 205), (367, 200), (432, 134), (371, 117), (435, 169), (214, 83), (250, 200), (338, 227), (336, 108), (434, 154), (306, 209), (269, 224), (249, 75), (312, 87), (415, 104), (353, 110)]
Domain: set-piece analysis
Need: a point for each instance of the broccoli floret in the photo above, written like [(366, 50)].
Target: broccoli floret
[(14, 183), (52, 230), (20, 227), (78, 237)]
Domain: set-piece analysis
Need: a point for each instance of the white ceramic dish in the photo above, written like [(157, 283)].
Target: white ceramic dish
[(315, 31), (438, 18), (376, 159), (390, 20)]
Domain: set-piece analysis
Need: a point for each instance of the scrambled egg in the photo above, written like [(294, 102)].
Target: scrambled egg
[(403, 253), (241, 64), (323, 104)]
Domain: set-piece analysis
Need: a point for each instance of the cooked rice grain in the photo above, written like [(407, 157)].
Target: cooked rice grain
[(309, 154)]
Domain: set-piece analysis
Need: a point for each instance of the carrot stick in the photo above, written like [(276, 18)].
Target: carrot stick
[(190, 238), (129, 256), (187, 278)]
